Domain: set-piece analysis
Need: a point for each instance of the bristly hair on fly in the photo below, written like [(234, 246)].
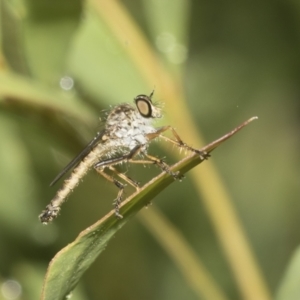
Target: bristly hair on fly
[(127, 133), (103, 116), (160, 105)]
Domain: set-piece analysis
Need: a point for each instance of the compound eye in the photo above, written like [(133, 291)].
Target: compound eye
[(143, 104)]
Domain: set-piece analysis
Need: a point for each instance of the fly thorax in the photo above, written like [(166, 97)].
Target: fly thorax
[(127, 128)]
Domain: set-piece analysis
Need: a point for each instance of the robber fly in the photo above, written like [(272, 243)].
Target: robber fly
[(125, 138)]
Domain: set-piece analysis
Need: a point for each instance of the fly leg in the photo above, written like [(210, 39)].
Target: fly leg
[(120, 186), (109, 163), (178, 141), (126, 178), (165, 167), (160, 163), (116, 160)]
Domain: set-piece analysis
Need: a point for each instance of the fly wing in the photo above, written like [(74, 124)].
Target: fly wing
[(79, 157)]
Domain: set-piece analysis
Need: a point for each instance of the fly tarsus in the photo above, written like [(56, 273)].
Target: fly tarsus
[(120, 186), (178, 141), (118, 200), (165, 167), (202, 154), (49, 214)]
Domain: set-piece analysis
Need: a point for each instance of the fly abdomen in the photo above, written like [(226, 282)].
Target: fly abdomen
[(52, 209)]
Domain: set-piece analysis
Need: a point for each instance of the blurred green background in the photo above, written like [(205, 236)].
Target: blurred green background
[(62, 62)]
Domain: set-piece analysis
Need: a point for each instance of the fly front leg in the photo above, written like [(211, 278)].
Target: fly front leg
[(178, 141)]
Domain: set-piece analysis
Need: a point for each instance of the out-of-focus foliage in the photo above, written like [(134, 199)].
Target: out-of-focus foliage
[(62, 63), (289, 287)]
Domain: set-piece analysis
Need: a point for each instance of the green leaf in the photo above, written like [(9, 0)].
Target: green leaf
[(99, 63), (37, 36), (15, 89), (169, 31), (15, 167), (290, 287), (68, 266)]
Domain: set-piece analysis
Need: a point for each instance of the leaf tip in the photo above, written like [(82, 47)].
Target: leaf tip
[(250, 120)]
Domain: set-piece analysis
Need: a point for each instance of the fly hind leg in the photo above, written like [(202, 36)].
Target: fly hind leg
[(126, 178), (120, 186), (109, 163)]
